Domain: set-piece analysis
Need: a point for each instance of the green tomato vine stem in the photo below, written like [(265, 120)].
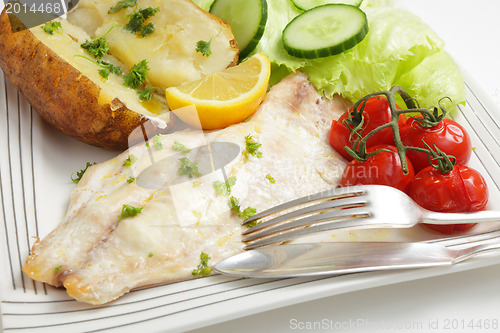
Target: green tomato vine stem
[(444, 162)]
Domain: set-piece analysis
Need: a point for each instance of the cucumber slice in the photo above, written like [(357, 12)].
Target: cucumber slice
[(324, 31), (309, 4), (247, 19)]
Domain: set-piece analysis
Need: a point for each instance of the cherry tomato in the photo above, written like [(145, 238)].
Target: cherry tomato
[(461, 190), (383, 168), (376, 112), (449, 136)]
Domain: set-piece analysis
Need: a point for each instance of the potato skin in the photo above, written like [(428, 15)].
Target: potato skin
[(62, 95)]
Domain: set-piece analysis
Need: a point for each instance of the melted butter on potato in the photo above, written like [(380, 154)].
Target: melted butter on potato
[(171, 49)]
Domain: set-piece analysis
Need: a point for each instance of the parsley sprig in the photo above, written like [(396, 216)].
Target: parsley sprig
[(145, 95), (247, 213), (253, 224), (106, 67), (224, 188), (79, 174), (131, 159), (204, 47), (252, 147), (203, 268), (147, 29), (129, 211), (177, 146), (122, 5), (137, 75), (136, 21), (51, 27), (157, 143), (97, 47), (188, 168)]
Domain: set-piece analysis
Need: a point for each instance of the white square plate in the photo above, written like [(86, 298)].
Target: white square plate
[(36, 163)]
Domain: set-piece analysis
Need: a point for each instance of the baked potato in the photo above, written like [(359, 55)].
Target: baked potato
[(62, 81), (171, 49)]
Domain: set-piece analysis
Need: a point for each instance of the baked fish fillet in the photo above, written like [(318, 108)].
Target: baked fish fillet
[(98, 257)]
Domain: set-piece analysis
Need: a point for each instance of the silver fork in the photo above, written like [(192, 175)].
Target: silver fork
[(365, 206)]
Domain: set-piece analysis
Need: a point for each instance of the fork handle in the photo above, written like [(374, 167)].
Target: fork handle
[(461, 218)]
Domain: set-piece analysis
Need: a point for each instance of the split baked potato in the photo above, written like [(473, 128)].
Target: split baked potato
[(61, 80)]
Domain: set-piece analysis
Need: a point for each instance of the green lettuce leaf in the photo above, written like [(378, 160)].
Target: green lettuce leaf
[(398, 49), (279, 14), (444, 78), (204, 4)]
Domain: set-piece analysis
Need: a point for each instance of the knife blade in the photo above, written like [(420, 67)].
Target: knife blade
[(309, 259)]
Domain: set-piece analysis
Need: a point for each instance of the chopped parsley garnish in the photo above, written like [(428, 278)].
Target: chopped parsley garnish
[(137, 75), (188, 168), (129, 161), (252, 147), (270, 178), (196, 213), (129, 211), (204, 47), (121, 5), (57, 269), (145, 95), (104, 73), (252, 224), (196, 183), (157, 143), (180, 147), (147, 29), (51, 27), (137, 19), (150, 254), (148, 12), (130, 180), (97, 47), (234, 204), (79, 174), (224, 188), (203, 268), (107, 68), (247, 213)]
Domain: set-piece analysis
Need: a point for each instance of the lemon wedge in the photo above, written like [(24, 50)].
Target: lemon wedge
[(224, 98)]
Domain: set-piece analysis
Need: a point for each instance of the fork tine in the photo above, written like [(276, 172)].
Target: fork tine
[(331, 217), (282, 223), (345, 221), (333, 194)]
